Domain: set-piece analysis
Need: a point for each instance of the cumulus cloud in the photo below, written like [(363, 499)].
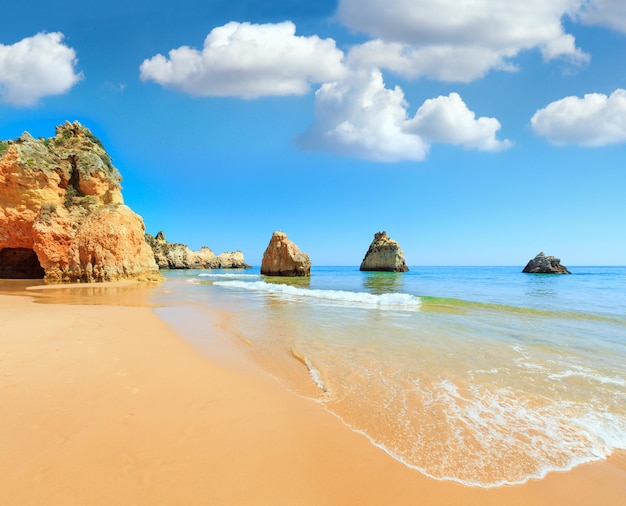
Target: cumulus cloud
[(36, 67), (444, 63), (248, 60), (594, 120), (448, 120), (360, 117), (457, 41), (611, 13)]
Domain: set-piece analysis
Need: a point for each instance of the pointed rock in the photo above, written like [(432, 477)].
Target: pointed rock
[(283, 258), (384, 254)]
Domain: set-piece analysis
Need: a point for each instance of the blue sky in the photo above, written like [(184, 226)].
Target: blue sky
[(474, 133)]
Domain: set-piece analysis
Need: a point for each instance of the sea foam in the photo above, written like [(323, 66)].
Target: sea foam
[(402, 301), (588, 375), (228, 275), (485, 389)]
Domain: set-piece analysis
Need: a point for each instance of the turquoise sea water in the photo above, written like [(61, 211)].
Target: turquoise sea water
[(480, 375)]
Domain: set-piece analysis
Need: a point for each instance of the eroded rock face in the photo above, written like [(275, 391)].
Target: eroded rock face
[(232, 260), (61, 199), (283, 258), (178, 256), (543, 264), (384, 254)]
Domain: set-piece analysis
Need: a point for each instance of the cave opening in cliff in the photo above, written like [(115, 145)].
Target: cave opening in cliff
[(20, 263)]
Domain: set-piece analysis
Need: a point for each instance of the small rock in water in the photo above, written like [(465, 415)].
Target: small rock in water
[(543, 264), (384, 254), (283, 258)]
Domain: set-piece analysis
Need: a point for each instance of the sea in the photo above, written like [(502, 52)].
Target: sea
[(483, 376)]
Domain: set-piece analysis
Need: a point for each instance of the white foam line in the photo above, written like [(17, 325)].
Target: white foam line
[(540, 474), (397, 300), (229, 275), (587, 374), (315, 376), (605, 433)]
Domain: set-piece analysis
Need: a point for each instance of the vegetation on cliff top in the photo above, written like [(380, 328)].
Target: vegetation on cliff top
[(72, 138)]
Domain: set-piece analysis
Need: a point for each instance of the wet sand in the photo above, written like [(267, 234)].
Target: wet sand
[(105, 405)]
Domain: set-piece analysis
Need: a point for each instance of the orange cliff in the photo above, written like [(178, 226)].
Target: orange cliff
[(62, 215)]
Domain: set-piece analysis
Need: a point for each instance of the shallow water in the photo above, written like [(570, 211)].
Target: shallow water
[(122, 293), (484, 376)]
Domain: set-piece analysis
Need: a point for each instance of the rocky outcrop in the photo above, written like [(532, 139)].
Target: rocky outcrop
[(283, 258), (232, 260), (62, 215), (178, 256), (543, 264), (384, 254)]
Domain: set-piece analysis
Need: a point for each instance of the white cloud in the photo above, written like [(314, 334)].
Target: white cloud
[(445, 63), (594, 120), (362, 118), (36, 67), (457, 40), (247, 60), (448, 120), (563, 47), (611, 13)]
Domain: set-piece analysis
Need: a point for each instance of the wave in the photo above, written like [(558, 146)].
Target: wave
[(384, 301), (209, 277), (494, 438), (313, 372), (589, 375), (229, 275)]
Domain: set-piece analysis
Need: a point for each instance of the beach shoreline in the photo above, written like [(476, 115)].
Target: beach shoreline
[(106, 403)]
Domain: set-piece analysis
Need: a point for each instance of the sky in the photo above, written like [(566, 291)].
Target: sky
[(475, 132)]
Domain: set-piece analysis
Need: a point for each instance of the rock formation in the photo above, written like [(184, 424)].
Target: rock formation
[(62, 216), (384, 254), (283, 258), (543, 264), (178, 256)]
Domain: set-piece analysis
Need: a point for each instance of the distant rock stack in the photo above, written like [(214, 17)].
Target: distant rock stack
[(178, 256), (62, 216), (283, 258), (543, 264), (384, 254)]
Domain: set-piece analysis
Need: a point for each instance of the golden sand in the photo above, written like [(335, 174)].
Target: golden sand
[(106, 405)]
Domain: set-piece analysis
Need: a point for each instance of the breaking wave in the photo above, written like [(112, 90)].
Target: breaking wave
[(402, 301), (228, 275)]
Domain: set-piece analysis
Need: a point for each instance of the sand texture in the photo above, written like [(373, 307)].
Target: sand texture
[(106, 405)]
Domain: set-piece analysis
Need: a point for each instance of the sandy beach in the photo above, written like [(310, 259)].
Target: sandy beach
[(106, 405)]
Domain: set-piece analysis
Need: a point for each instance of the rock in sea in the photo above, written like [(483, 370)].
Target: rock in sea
[(62, 216), (384, 254), (283, 258), (543, 264), (170, 255)]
